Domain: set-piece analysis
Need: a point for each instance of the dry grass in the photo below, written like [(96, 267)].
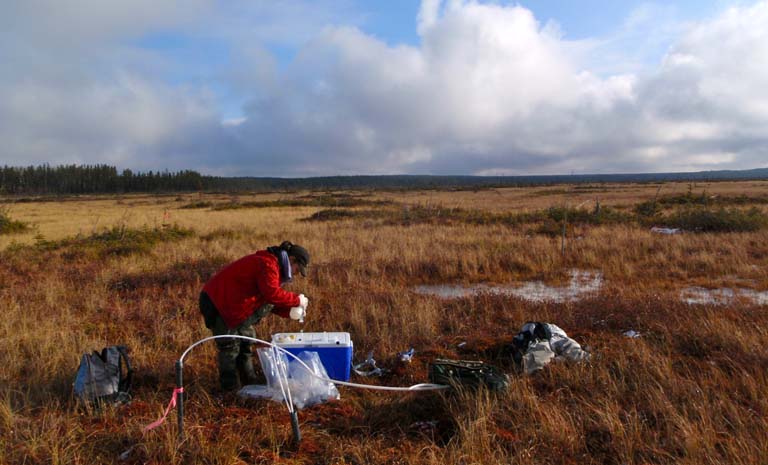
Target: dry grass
[(691, 390)]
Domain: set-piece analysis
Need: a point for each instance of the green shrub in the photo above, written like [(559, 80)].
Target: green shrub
[(689, 198), (319, 201), (548, 228), (436, 214), (331, 214), (193, 205), (119, 240), (604, 215), (703, 219), (647, 209), (11, 226), (340, 200), (655, 207)]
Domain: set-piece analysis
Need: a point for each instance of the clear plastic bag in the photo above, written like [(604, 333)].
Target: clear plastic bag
[(305, 388), (269, 359)]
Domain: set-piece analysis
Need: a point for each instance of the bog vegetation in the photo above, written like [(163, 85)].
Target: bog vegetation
[(10, 226), (117, 240), (128, 269)]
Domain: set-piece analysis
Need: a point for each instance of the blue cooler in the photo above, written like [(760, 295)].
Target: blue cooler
[(334, 349)]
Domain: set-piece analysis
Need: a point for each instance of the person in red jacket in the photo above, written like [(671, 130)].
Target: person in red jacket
[(242, 293)]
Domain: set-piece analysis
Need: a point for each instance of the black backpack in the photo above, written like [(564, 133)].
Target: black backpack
[(100, 378), (467, 373)]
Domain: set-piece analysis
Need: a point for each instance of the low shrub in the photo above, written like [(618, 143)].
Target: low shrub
[(647, 209), (689, 198), (332, 214), (703, 219), (319, 201), (548, 228), (194, 205), (118, 240), (604, 215), (340, 200), (546, 192), (436, 214), (11, 226), (655, 207)]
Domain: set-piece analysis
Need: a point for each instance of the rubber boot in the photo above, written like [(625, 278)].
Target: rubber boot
[(227, 372), (246, 371)]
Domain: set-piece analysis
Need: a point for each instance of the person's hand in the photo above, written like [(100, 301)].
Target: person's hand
[(297, 313), (303, 301)]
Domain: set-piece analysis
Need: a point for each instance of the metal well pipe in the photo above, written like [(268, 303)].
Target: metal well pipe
[(180, 397), (295, 426)]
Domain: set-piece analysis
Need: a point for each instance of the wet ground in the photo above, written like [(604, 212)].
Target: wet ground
[(581, 283), (722, 296)]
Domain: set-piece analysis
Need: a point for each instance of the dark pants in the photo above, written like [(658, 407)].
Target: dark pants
[(234, 354)]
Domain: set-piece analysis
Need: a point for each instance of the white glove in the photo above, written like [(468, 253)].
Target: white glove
[(297, 313), (303, 301)]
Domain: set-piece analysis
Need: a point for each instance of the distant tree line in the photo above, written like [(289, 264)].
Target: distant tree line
[(93, 179), (97, 179)]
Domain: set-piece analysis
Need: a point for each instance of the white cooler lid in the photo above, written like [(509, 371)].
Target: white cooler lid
[(312, 339)]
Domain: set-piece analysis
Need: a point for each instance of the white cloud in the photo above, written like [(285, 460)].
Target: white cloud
[(487, 84), (428, 15), (72, 89), (115, 120), (490, 89)]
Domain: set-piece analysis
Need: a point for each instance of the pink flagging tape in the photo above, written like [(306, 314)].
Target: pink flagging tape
[(171, 405)]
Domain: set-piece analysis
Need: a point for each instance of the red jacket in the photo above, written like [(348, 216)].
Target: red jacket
[(244, 285)]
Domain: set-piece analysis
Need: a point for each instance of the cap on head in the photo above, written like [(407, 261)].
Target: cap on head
[(299, 253)]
